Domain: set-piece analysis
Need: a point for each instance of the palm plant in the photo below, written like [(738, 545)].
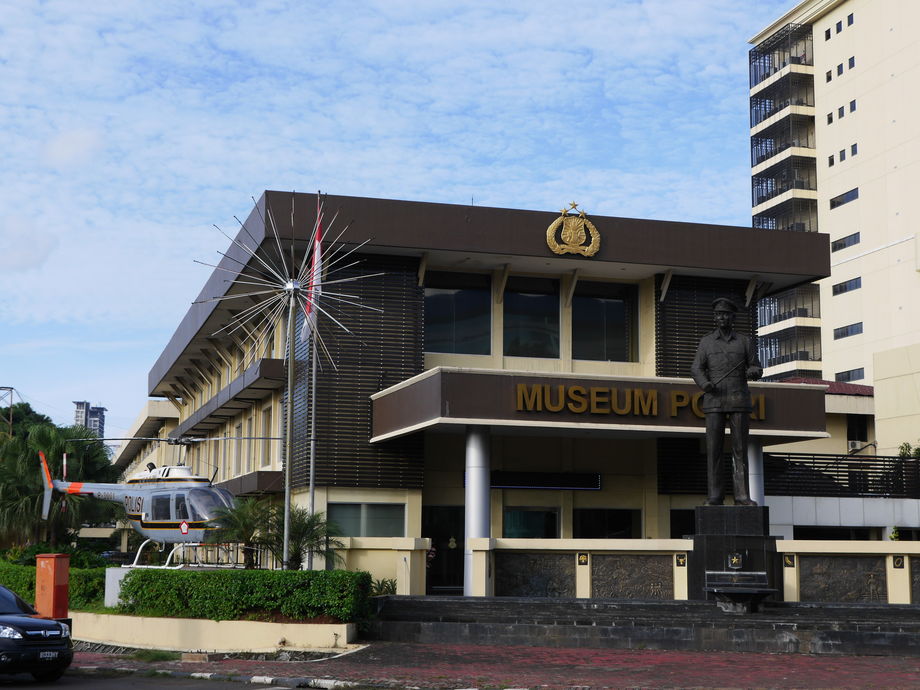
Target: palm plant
[(21, 484), (308, 534), (246, 523)]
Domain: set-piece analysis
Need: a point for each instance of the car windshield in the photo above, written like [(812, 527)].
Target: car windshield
[(11, 603), (204, 503)]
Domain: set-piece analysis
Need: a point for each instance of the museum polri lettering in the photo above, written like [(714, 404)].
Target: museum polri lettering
[(621, 401)]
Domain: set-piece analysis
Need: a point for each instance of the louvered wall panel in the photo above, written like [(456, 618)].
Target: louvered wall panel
[(383, 349), (685, 316)]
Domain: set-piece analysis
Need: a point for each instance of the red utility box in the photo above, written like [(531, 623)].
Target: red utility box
[(52, 582)]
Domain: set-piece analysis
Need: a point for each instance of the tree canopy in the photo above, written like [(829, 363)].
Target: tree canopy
[(22, 487)]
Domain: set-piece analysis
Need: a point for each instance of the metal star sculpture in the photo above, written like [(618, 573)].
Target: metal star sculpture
[(285, 285)]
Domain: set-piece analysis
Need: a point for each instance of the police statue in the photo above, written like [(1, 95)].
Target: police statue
[(724, 362)]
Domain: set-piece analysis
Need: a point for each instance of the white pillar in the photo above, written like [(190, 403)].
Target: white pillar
[(755, 470), (477, 512)]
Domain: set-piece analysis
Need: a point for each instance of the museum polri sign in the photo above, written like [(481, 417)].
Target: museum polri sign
[(619, 401)]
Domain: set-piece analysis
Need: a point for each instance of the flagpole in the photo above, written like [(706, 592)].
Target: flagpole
[(310, 500), (288, 430)]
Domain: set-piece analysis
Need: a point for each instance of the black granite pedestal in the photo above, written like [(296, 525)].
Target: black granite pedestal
[(734, 560)]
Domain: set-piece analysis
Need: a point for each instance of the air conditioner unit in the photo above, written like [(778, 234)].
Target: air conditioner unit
[(853, 446)]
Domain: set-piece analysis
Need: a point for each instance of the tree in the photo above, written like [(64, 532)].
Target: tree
[(246, 523), (308, 534), (23, 418), (22, 486)]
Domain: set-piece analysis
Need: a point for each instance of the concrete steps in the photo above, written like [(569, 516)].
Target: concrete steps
[(676, 625)]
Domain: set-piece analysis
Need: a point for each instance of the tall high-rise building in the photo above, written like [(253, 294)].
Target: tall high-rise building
[(93, 418), (834, 147)]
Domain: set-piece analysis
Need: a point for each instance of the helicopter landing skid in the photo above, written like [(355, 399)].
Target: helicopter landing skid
[(176, 548)]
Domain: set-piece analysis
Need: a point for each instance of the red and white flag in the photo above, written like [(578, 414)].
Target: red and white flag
[(313, 279)]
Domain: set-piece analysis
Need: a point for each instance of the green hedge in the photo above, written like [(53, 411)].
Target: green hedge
[(235, 594), (87, 585)]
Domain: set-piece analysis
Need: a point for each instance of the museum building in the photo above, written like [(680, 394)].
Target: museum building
[(513, 396)]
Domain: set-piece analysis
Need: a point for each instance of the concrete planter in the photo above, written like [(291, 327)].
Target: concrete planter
[(196, 635)]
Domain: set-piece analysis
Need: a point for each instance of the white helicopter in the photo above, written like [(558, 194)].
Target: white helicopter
[(166, 505)]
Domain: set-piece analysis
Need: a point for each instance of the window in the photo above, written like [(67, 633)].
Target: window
[(159, 507), (845, 198), (830, 118), (238, 449), (830, 161), (828, 75), (266, 436), (368, 519), (839, 69), (827, 34), (847, 286), (604, 322), (850, 375), (839, 27), (858, 427), (850, 19), (847, 331), (853, 149), (531, 317), (843, 155), (841, 111), (530, 523), (606, 523), (845, 242), (853, 106), (181, 507), (458, 313), (851, 62)]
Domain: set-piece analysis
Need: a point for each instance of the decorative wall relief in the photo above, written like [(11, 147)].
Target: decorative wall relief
[(534, 574), (914, 562), (843, 578), (632, 576)]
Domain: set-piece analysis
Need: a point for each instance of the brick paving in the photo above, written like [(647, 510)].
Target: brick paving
[(393, 664)]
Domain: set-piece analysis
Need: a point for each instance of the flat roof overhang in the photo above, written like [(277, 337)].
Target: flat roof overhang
[(479, 238), (447, 399)]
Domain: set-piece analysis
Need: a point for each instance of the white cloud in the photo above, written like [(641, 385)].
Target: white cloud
[(130, 127)]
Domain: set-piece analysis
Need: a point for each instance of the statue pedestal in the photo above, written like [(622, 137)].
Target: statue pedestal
[(734, 560)]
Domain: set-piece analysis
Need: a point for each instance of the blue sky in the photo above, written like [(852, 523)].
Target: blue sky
[(129, 128)]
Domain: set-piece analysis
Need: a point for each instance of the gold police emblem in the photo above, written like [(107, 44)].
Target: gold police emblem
[(573, 233)]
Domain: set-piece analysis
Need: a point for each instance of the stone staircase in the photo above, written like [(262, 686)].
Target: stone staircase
[(630, 624)]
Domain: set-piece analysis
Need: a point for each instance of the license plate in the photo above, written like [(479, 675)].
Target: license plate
[(47, 655)]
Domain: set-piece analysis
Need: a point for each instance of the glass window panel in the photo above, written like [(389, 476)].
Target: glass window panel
[(160, 507), (347, 517), (531, 317), (603, 322), (384, 520), (458, 313), (530, 523), (606, 523)]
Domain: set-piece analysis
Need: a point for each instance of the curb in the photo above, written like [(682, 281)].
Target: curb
[(287, 682)]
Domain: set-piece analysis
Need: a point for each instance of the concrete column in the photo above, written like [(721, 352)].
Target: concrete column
[(477, 517), (755, 470)]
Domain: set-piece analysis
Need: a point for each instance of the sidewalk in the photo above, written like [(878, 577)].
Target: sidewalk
[(400, 665)]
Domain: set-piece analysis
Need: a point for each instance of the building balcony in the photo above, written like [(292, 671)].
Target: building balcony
[(791, 173), (793, 215), (793, 135), (792, 89), (791, 45), (799, 303)]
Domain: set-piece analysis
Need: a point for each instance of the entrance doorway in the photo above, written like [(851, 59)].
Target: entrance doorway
[(444, 526)]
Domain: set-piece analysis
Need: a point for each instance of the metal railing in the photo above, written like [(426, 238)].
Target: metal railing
[(811, 474)]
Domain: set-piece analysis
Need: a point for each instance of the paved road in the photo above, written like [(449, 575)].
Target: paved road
[(391, 664), (117, 682)]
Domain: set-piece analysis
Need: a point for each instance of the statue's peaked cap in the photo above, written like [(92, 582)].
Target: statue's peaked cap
[(725, 304)]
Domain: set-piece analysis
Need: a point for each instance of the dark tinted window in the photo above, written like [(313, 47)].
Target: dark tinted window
[(160, 507), (606, 523), (530, 523), (850, 375), (845, 198), (604, 322), (847, 331), (11, 603), (847, 286), (531, 317), (845, 242), (458, 313)]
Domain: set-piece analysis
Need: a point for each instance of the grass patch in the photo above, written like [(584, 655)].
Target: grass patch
[(154, 655), (98, 607)]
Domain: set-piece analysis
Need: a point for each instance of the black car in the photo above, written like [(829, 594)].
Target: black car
[(29, 644)]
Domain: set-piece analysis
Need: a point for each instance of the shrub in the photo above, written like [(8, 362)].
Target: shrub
[(234, 594), (87, 585)]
